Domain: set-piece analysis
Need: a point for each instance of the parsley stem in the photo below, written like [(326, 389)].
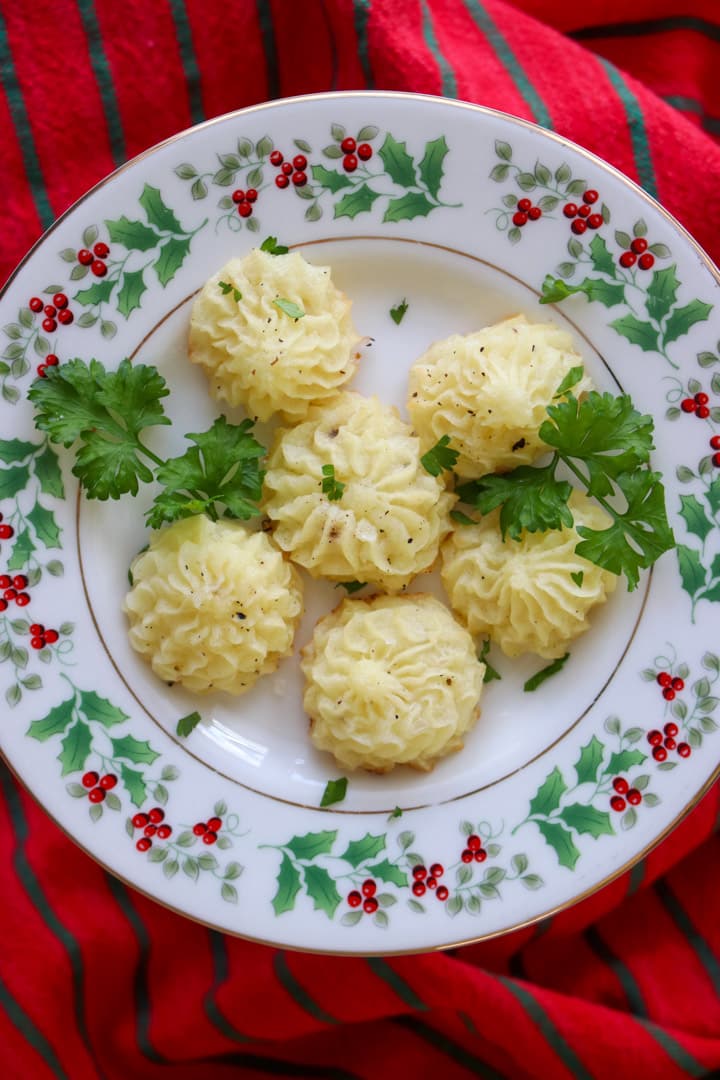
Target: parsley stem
[(145, 450), (605, 505)]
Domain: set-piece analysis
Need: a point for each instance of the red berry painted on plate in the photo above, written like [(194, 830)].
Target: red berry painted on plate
[(299, 162), (578, 226), (634, 797), (584, 211), (108, 781), (60, 300), (627, 259), (570, 210), (51, 360), (654, 737), (524, 205), (370, 905), (467, 855), (481, 855), (688, 405), (534, 213), (354, 898), (65, 317), (702, 398), (84, 256), (251, 194), (659, 753), (215, 823), (101, 250), (474, 842), (431, 883), (519, 219), (617, 803), (37, 643), (442, 893), (621, 785), (238, 196), (678, 684), (419, 872), (51, 636), (41, 369), (51, 312), (716, 460), (164, 831), (664, 678), (96, 795), (140, 820), (156, 815), (36, 304), (287, 168), (684, 749), (49, 325), (90, 779), (437, 870), (20, 581), (595, 221), (668, 693), (670, 743), (671, 729), (299, 179), (209, 837), (276, 158), (702, 412), (281, 180), (10, 594), (200, 829), (646, 261), (364, 151), (150, 830), (348, 145), (418, 888), (6, 532), (22, 599), (99, 268), (144, 844), (3, 604), (369, 888), (590, 196), (5, 579), (639, 245), (245, 209), (350, 163), (715, 442)]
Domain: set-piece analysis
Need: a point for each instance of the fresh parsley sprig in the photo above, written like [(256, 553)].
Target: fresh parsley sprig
[(440, 456), (105, 413), (605, 443)]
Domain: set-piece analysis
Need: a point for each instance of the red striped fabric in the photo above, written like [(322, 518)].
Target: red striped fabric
[(95, 980)]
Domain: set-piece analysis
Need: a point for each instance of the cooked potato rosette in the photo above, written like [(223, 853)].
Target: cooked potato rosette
[(488, 392), (393, 680), (375, 514), (212, 606), (257, 351), (529, 595)]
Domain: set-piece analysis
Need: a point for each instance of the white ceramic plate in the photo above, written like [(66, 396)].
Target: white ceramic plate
[(520, 823)]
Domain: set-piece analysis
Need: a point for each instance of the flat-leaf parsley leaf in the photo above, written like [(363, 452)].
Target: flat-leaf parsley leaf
[(226, 287), (330, 486), (440, 456), (335, 791), (188, 723), (545, 673), (398, 313), (270, 244), (290, 308)]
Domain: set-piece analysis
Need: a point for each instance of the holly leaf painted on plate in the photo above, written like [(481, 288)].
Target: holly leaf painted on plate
[(54, 723), (586, 819), (133, 235), (288, 886), (132, 288), (431, 166), (98, 708), (329, 179), (388, 872), (21, 552), (170, 258), (589, 762), (623, 760), (13, 480), (46, 528), (75, 748), (549, 793), (138, 751), (157, 213), (321, 889), (12, 450), (682, 319), (713, 495), (99, 293), (414, 204), (358, 851), (47, 470), (637, 332), (356, 202), (662, 292), (602, 260), (605, 292), (693, 513), (312, 844), (398, 163), (561, 841)]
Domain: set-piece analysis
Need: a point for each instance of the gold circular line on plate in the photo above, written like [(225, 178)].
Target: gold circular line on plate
[(598, 162), (337, 809)]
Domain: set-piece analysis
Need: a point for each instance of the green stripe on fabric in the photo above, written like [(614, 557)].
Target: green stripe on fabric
[(221, 972), (361, 11), (687, 104), (637, 876), (333, 46), (688, 929), (388, 974), (27, 1029), (267, 32), (298, 992), (636, 124), (449, 84), (23, 131), (140, 978), (475, 1065), (104, 79), (623, 974), (648, 26), (682, 1058), (183, 33), (551, 1034), (527, 91), (41, 904)]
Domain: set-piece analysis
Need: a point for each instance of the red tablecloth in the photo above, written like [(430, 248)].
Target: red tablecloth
[(95, 980)]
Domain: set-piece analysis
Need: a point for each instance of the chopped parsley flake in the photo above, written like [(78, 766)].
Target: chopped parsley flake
[(397, 313), (330, 486), (226, 287)]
